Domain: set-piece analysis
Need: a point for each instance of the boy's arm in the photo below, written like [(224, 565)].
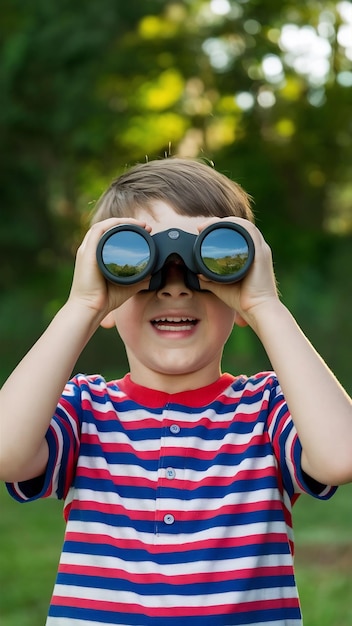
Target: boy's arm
[(29, 397), (320, 408)]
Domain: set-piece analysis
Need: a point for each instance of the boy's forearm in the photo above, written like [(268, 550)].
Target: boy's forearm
[(321, 409), (29, 397)]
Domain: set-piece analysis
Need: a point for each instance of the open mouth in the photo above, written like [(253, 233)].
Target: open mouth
[(176, 324)]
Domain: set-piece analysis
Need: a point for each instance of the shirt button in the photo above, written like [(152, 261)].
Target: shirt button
[(169, 519), (175, 429), (170, 473)]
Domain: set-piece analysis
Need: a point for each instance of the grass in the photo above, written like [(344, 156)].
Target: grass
[(323, 535), (31, 537), (30, 541)]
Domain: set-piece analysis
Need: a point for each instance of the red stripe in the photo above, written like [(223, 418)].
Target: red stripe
[(218, 481), (175, 579), (181, 611), (170, 548), (145, 515), (196, 453)]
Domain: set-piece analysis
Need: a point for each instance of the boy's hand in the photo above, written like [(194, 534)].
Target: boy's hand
[(89, 287), (257, 288)]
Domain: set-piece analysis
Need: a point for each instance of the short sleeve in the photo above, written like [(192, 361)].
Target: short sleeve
[(63, 438), (288, 449)]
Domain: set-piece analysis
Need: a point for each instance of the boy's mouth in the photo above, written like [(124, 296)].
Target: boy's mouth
[(176, 324)]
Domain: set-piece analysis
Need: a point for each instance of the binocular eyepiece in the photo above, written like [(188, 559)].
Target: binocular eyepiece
[(222, 252)]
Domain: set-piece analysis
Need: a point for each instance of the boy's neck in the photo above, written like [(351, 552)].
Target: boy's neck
[(174, 383)]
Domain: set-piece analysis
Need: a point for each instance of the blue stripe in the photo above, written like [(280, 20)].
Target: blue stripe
[(143, 492), (128, 619), (167, 588), (236, 426), (202, 431), (176, 558), (188, 527), (182, 460)]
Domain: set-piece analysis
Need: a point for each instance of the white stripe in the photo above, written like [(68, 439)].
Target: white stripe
[(184, 539), (190, 441), (197, 567), (288, 457), (69, 419), (140, 414), (130, 415), (231, 598), (192, 476), (174, 504), (56, 471)]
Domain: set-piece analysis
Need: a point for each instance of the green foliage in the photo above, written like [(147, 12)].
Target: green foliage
[(88, 88)]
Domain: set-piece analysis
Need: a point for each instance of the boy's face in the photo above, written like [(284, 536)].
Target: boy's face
[(174, 337)]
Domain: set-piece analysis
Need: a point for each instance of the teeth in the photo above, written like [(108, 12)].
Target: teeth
[(174, 319), (175, 324)]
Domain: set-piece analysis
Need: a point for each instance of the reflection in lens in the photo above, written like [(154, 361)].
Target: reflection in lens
[(224, 251), (126, 254)]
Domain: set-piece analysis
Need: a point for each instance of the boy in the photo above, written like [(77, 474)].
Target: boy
[(178, 480)]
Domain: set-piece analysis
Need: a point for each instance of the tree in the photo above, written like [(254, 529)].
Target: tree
[(261, 88)]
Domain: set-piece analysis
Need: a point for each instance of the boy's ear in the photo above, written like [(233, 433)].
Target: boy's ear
[(108, 321), (239, 321)]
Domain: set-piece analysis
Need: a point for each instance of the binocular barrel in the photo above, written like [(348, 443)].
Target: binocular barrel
[(222, 252)]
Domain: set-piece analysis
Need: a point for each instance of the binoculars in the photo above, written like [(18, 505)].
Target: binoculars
[(222, 252)]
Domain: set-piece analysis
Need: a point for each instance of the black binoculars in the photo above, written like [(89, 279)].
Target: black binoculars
[(222, 252)]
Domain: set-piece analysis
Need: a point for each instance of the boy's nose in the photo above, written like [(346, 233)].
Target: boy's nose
[(174, 281)]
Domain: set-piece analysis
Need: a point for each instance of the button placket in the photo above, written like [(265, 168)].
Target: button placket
[(169, 473)]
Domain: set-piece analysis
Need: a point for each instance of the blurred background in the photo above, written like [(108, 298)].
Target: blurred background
[(260, 88)]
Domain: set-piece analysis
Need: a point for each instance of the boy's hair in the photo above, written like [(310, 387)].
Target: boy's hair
[(191, 187)]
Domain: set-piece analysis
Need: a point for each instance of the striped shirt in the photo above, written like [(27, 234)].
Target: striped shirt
[(178, 506)]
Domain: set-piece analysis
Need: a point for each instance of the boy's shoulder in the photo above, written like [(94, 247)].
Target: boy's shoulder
[(227, 385)]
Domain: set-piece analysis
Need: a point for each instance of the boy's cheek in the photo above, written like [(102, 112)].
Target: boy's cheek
[(226, 293)]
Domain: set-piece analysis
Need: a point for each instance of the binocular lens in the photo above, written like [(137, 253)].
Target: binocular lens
[(224, 252), (126, 254)]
